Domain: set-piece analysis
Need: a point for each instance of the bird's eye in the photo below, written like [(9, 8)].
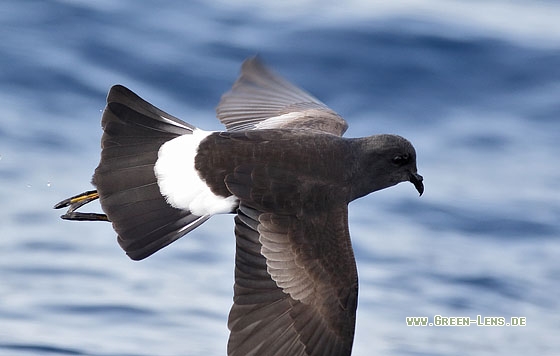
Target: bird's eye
[(401, 159)]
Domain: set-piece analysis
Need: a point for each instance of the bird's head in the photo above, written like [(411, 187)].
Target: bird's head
[(384, 161)]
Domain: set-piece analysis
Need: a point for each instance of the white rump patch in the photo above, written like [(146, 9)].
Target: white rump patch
[(179, 181), (276, 122)]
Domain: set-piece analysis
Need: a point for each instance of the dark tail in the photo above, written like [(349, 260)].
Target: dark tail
[(127, 188)]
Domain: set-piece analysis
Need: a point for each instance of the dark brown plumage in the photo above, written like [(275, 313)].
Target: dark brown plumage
[(284, 169)]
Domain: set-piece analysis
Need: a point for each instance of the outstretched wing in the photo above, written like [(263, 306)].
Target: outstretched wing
[(296, 282), (259, 99)]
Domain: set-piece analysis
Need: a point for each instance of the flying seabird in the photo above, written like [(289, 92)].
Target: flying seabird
[(283, 167)]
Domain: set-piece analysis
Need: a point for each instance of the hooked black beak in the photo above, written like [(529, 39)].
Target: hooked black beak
[(417, 179)]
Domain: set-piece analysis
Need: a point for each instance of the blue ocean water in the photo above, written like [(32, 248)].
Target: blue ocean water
[(474, 85)]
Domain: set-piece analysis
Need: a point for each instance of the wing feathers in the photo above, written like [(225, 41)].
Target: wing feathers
[(295, 286), (261, 99), (296, 305)]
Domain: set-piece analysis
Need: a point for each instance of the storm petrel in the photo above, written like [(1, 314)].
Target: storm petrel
[(283, 167)]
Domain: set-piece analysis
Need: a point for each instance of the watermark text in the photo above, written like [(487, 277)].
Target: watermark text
[(480, 320)]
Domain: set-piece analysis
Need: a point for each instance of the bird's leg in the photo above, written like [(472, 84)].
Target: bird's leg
[(76, 202)]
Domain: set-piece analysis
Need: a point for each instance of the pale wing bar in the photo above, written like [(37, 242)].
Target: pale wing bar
[(259, 95), (312, 314)]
